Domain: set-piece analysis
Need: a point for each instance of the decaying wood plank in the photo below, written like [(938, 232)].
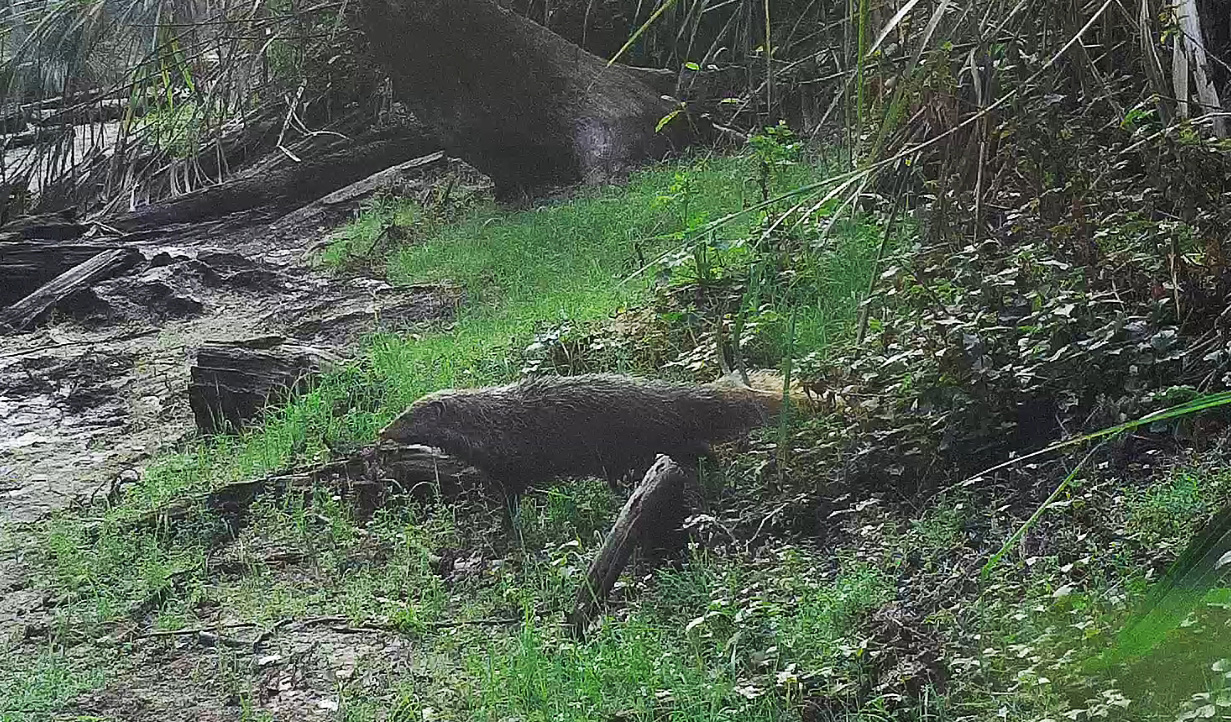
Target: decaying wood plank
[(653, 511), (101, 266), (232, 381), (25, 265)]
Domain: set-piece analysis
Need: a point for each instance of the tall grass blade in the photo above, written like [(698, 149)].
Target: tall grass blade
[(1196, 406), (1221, 533), (667, 4), (893, 23), (1202, 566), (1038, 513), (926, 40)]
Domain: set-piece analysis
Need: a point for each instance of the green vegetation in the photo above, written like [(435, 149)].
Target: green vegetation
[(1172, 510), (1069, 274), (559, 273), (568, 265), (632, 279), (35, 688)]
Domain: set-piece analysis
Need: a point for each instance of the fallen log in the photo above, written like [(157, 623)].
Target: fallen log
[(29, 225), (34, 136), (651, 516), (344, 198), (25, 312), (45, 232), (233, 381), (367, 480), (27, 265), (279, 190), (97, 110)]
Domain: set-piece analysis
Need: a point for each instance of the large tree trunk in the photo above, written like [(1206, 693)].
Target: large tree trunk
[(281, 189), (515, 100)]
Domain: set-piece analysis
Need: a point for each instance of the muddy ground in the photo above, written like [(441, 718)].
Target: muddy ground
[(96, 390)]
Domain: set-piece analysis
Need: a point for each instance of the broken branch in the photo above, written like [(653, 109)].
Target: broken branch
[(653, 511)]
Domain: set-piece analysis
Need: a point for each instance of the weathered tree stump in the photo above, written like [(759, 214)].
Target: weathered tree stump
[(103, 265), (231, 382), (652, 515), (518, 102)]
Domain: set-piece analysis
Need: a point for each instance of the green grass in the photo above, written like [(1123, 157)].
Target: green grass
[(521, 271), (725, 635), (776, 632), (33, 688), (720, 642), (1035, 631), (712, 640), (1171, 510)]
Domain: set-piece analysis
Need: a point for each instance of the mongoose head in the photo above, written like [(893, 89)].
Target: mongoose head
[(433, 420)]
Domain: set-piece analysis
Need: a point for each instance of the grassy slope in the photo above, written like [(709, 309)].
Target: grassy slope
[(567, 261), (520, 270), (727, 635)]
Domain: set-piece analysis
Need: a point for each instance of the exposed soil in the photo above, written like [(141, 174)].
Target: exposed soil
[(89, 395), (302, 673)]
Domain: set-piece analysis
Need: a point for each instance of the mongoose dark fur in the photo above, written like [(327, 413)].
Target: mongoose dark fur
[(593, 425)]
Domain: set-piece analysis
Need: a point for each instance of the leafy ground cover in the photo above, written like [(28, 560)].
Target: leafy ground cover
[(526, 275), (836, 567)]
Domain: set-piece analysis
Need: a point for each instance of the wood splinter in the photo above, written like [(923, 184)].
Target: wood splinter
[(651, 516)]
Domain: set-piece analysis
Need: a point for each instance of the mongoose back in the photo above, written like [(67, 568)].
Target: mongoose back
[(601, 425)]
